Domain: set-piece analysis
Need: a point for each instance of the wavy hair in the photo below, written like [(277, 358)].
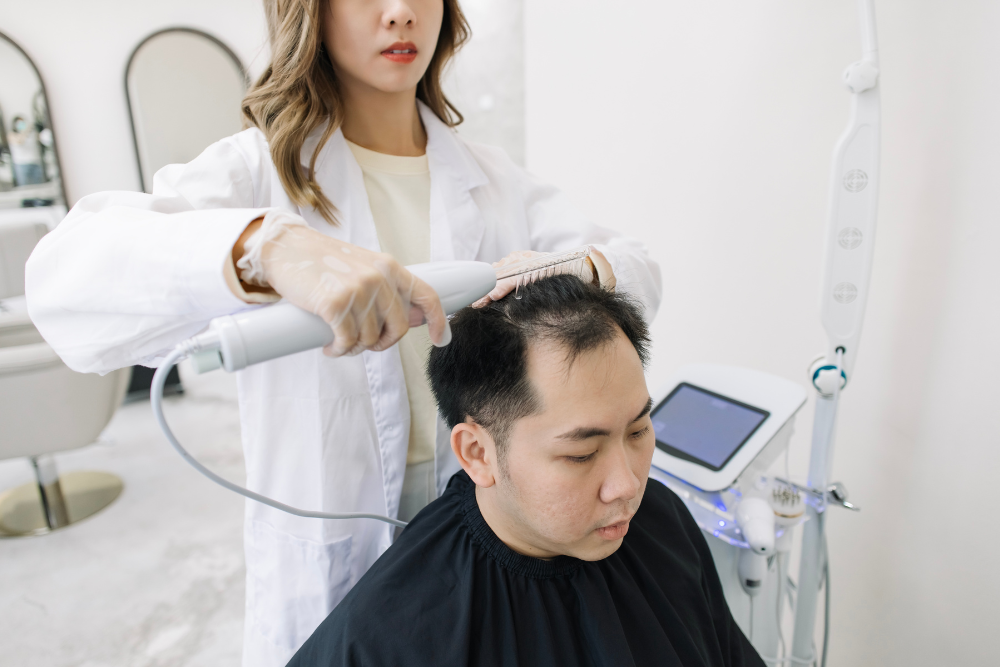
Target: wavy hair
[(298, 91)]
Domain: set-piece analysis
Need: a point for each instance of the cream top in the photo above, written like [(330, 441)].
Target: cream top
[(399, 193)]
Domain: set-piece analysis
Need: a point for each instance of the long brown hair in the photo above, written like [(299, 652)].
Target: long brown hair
[(298, 91)]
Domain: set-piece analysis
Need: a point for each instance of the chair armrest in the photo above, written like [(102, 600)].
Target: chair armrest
[(27, 358), (16, 329)]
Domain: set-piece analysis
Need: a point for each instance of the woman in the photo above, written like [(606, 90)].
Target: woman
[(351, 131)]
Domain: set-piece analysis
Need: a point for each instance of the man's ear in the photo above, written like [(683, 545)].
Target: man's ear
[(476, 452)]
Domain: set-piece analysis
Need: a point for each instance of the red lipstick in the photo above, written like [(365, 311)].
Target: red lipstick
[(401, 52)]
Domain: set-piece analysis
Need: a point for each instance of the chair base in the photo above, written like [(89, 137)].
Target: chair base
[(85, 493)]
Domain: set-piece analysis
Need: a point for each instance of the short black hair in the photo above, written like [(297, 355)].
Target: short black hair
[(483, 372)]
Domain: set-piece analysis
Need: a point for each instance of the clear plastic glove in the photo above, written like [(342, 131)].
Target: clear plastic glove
[(368, 298), (584, 270)]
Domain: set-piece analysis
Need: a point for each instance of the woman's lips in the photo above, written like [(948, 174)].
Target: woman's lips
[(615, 531), (401, 52)]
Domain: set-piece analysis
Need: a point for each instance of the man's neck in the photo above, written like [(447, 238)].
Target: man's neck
[(383, 122), (506, 527)]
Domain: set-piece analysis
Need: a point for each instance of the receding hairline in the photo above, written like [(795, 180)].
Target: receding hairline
[(553, 344)]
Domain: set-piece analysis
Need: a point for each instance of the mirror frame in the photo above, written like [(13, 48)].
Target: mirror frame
[(48, 112), (128, 66)]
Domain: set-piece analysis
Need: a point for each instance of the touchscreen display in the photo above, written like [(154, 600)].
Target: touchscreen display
[(703, 427)]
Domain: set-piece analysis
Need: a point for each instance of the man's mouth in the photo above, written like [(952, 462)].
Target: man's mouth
[(401, 52), (614, 531)]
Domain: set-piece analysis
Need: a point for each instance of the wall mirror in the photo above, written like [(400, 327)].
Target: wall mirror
[(184, 89), (29, 164)]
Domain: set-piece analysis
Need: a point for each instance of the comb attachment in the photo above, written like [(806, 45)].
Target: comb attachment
[(527, 271)]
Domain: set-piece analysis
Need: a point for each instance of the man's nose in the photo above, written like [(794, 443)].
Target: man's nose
[(620, 483), (398, 13)]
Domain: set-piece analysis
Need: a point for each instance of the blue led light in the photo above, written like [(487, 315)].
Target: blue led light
[(722, 524), (721, 507)]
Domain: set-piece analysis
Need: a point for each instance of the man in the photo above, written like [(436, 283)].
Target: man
[(539, 552)]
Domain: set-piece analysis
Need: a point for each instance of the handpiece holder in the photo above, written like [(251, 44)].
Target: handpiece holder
[(236, 341)]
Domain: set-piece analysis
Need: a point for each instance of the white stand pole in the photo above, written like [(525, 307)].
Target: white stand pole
[(811, 564), (850, 239)]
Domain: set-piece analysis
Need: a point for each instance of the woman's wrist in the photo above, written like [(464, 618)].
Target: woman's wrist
[(245, 291), (262, 239), (240, 246)]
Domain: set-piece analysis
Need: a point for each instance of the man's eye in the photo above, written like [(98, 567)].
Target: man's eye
[(580, 459), (642, 433)]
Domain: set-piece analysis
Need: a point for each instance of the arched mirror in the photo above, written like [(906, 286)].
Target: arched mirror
[(184, 89), (29, 164)]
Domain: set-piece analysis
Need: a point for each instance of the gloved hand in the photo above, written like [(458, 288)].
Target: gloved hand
[(368, 298), (584, 270)]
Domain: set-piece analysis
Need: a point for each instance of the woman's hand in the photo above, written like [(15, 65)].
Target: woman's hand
[(368, 298)]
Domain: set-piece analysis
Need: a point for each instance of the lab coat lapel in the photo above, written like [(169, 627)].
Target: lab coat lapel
[(341, 179), (457, 225)]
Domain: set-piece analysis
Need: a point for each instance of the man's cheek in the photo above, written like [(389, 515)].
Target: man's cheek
[(635, 502), (642, 460), (558, 514)]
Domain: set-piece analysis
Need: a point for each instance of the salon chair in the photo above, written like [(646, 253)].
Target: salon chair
[(46, 408)]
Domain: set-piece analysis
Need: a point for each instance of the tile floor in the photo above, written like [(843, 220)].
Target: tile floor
[(155, 579)]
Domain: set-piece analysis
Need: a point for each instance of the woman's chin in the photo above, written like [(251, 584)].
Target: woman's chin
[(394, 82)]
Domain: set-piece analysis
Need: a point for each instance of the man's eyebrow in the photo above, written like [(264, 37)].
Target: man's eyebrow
[(584, 432), (645, 411)]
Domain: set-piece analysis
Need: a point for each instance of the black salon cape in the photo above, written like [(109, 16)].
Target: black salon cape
[(449, 592)]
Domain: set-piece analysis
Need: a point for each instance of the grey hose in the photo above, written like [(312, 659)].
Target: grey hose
[(156, 399)]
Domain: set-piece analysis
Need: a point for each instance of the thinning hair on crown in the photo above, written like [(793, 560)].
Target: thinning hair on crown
[(483, 373)]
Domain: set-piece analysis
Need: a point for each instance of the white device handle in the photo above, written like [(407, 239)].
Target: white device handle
[(276, 331)]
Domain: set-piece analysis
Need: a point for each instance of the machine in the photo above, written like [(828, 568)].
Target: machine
[(720, 429)]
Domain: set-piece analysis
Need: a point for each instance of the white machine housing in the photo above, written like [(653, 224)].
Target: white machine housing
[(778, 397)]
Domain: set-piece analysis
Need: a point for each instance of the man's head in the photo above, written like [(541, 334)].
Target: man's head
[(550, 415)]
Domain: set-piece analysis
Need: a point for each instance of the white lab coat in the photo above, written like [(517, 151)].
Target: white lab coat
[(126, 276)]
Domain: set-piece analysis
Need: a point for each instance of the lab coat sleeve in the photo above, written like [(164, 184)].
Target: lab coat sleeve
[(126, 276), (555, 224)]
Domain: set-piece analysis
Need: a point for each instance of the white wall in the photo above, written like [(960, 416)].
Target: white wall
[(486, 80), (707, 129), (81, 49)]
